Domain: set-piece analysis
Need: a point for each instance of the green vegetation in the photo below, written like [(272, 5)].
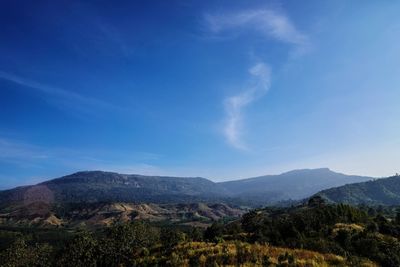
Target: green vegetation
[(340, 229), (383, 191), (316, 234)]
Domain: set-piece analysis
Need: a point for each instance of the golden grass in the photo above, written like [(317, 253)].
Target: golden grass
[(352, 227), (232, 253)]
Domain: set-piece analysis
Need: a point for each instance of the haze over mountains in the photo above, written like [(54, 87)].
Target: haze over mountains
[(98, 186), (296, 184)]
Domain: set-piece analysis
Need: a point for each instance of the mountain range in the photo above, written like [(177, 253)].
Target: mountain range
[(102, 198), (99, 186), (294, 185)]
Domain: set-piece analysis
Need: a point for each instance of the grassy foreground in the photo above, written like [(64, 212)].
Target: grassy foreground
[(244, 254)]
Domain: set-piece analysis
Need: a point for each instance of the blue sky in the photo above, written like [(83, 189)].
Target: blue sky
[(219, 89)]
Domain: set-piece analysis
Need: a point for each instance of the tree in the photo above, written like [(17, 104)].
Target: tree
[(123, 242), (195, 234), (214, 232), (171, 237), (397, 220), (81, 251), (316, 201), (21, 254)]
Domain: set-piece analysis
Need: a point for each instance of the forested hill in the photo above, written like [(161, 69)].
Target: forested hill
[(385, 191), (99, 186)]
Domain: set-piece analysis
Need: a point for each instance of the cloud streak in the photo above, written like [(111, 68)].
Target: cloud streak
[(72, 99), (39, 160), (234, 105), (269, 23), (10, 150)]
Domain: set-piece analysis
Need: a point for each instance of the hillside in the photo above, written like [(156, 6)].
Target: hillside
[(339, 229), (385, 191), (106, 214), (295, 184), (98, 186), (313, 234)]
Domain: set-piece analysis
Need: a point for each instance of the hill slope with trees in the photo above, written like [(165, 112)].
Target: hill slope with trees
[(314, 234), (385, 191)]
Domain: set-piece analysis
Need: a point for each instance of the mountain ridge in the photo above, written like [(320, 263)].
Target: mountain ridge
[(90, 197), (98, 186), (300, 183)]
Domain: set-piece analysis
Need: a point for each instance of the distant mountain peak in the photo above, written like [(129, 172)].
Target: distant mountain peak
[(295, 184), (308, 170)]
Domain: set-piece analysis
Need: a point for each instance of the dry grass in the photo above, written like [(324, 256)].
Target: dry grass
[(244, 254), (347, 227)]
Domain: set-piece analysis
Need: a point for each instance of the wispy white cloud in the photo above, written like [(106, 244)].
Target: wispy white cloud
[(114, 37), (21, 152), (11, 151), (62, 96), (259, 85), (269, 23)]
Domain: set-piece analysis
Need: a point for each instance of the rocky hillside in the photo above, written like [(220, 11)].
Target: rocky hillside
[(101, 214)]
